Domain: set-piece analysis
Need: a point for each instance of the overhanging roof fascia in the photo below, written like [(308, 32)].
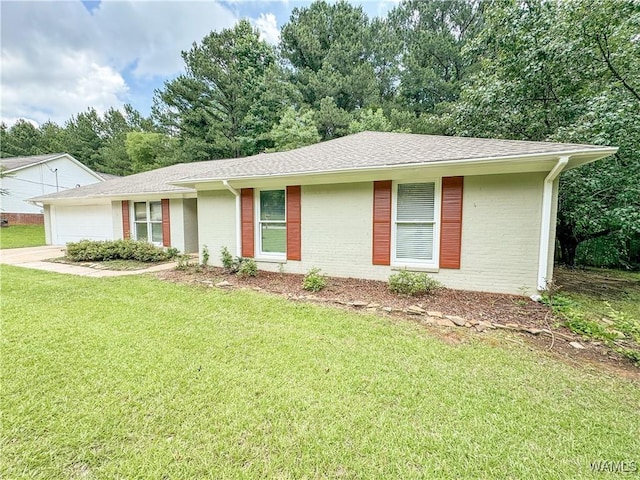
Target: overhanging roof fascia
[(578, 157), (113, 198)]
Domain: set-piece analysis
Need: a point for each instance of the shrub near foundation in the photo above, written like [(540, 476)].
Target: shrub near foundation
[(314, 281), (412, 283), (99, 251)]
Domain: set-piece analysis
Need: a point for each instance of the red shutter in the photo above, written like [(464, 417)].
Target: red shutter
[(126, 223), (294, 220), (451, 222), (246, 209), (166, 223), (382, 222)]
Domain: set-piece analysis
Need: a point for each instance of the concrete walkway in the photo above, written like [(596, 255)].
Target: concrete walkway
[(33, 257)]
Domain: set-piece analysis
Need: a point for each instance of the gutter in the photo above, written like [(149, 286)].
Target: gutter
[(545, 227), (238, 218)]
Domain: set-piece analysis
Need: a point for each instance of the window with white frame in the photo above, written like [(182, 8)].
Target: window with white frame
[(148, 221), (415, 226), (272, 228)]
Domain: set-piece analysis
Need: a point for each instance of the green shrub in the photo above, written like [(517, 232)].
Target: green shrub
[(248, 268), (229, 263), (412, 283), (205, 255), (184, 262), (314, 281), (99, 251), (243, 267)]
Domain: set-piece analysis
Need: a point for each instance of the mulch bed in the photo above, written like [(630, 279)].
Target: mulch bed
[(508, 312)]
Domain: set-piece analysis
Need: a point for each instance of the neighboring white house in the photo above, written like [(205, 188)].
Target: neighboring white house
[(27, 177), (477, 214)]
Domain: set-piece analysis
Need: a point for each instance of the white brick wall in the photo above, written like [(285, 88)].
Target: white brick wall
[(190, 215), (500, 232), (217, 223)]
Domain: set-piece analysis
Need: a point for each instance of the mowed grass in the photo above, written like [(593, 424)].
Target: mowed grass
[(15, 236), (132, 377)]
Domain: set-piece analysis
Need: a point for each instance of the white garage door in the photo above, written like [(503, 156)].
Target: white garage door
[(70, 224)]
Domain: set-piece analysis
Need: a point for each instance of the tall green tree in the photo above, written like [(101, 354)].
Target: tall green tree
[(329, 48), (149, 150), (331, 120), (84, 138), (430, 37), (223, 104), (22, 139), (294, 130), (565, 71)]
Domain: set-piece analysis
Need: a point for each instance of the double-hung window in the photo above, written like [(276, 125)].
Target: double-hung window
[(148, 221), (272, 229), (415, 225)]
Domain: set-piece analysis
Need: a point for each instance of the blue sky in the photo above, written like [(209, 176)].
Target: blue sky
[(61, 57)]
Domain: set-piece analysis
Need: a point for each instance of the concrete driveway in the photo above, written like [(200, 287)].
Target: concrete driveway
[(33, 257)]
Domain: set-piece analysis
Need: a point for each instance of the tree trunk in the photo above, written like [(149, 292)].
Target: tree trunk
[(568, 244)]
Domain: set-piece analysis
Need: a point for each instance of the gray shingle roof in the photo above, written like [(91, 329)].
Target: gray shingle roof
[(13, 163), (360, 151), (376, 149)]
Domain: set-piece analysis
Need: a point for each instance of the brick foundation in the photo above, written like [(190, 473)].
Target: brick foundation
[(23, 218)]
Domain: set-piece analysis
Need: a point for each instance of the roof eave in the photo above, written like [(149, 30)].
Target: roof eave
[(578, 157), (185, 193)]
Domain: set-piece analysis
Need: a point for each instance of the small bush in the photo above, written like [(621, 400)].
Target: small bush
[(314, 281), (243, 267), (248, 268), (230, 264), (184, 262), (205, 255), (99, 251), (412, 283)]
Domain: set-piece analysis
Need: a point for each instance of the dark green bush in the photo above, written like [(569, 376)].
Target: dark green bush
[(412, 283), (99, 251)]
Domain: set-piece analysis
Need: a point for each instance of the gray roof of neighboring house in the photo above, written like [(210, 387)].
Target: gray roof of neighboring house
[(108, 176), (13, 163), (359, 151), (153, 181)]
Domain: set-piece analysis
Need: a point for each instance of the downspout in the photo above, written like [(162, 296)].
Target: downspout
[(238, 218), (545, 227)]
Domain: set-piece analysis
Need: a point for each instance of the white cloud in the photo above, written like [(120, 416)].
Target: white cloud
[(77, 83), (154, 33), (58, 59), (267, 24)]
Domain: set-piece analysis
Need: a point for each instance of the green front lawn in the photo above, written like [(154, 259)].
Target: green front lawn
[(132, 377), (15, 236)]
